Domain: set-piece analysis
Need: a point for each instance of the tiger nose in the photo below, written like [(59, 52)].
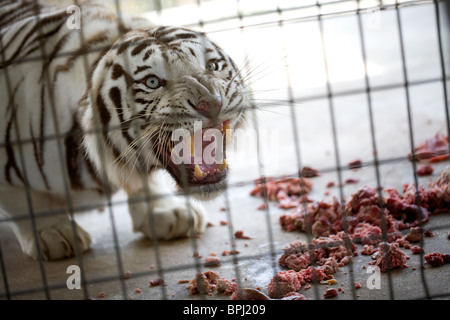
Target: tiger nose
[(209, 108)]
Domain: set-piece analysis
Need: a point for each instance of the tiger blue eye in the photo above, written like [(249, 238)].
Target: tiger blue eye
[(153, 82), (212, 65)]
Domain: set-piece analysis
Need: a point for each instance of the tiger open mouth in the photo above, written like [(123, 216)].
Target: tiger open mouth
[(199, 160)]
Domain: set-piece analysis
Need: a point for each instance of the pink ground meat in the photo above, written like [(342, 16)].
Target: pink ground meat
[(437, 259), (330, 293), (203, 283), (390, 256), (209, 281), (328, 251), (434, 149), (212, 261), (282, 283), (286, 282), (425, 170), (226, 286), (366, 212), (288, 192)]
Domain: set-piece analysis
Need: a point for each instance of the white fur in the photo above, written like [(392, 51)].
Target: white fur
[(39, 208)]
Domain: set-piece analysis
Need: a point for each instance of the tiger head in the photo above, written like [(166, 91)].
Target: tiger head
[(151, 84)]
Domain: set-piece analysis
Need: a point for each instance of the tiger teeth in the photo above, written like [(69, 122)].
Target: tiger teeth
[(227, 130), (198, 173), (223, 166)]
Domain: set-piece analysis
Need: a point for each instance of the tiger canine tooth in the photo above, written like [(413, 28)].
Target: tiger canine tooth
[(222, 166), (198, 173)]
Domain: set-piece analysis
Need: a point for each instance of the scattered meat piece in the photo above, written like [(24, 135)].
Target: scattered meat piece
[(101, 294), (351, 180), (138, 290), (183, 281), (288, 192), (328, 252), (285, 282), (212, 261), (308, 172), (311, 274), (230, 252), (196, 254), (240, 235), (357, 285), (203, 282), (262, 206), (428, 233), (330, 293), (404, 207), (127, 275), (248, 294), (424, 170), (156, 282), (355, 164), (368, 250), (437, 259), (402, 242), (330, 184), (434, 149), (389, 256), (226, 286), (294, 296), (223, 223), (414, 235), (366, 233), (209, 224), (282, 283), (417, 249)]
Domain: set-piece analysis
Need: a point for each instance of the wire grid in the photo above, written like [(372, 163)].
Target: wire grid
[(292, 102)]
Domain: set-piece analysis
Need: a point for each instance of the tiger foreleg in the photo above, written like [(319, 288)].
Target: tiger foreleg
[(42, 226)]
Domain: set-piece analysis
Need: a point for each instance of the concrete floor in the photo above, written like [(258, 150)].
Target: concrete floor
[(254, 265), (105, 264)]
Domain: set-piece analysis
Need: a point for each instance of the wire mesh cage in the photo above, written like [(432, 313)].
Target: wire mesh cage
[(348, 110)]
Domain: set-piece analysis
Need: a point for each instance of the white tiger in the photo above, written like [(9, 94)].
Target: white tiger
[(88, 111)]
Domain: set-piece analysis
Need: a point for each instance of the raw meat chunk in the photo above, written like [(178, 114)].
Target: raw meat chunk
[(425, 170), (226, 286), (204, 282), (288, 192), (437, 259), (434, 149), (282, 283), (330, 293), (390, 256)]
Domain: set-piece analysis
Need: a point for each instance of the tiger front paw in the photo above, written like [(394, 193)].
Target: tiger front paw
[(169, 218), (56, 241)]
